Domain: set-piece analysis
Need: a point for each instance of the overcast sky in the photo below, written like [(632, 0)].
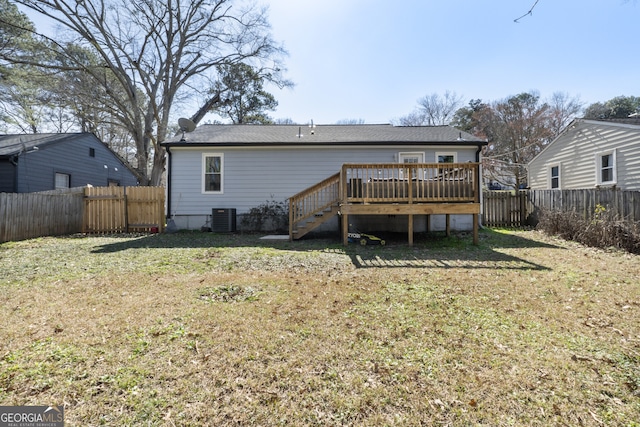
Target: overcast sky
[(373, 59)]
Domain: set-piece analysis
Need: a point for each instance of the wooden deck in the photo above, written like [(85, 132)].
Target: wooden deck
[(388, 189)]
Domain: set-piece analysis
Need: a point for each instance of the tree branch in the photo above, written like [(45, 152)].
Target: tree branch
[(517, 20)]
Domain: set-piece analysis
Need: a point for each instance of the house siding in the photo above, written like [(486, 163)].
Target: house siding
[(252, 176), (37, 169), (7, 176), (576, 150)]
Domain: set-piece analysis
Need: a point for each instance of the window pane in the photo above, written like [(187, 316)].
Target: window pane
[(212, 165), (212, 182), (445, 159), (554, 171), (555, 182), (606, 168), (62, 180)]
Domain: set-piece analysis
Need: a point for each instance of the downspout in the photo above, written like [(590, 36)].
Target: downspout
[(478, 151), (169, 184)]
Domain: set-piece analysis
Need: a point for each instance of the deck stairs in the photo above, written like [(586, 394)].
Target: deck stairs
[(314, 206)]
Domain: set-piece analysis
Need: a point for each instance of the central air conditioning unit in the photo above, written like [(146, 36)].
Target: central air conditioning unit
[(223, 220)]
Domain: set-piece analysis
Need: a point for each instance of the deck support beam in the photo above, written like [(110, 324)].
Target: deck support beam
[(345, 228), (410, 227), (448, 226), (411, 210), (475, 229)]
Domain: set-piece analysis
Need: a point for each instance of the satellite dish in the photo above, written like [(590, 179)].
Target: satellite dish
[(186, 125)]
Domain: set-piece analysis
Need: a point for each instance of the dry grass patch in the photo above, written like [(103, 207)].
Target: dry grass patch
[(199, 329)]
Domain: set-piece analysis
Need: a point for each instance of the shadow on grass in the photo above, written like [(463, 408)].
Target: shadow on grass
[(430, 250), (436, 250)]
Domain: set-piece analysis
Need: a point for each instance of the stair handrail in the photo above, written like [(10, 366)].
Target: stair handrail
[(314, 199)]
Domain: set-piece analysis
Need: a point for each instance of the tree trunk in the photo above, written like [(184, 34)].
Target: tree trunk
[(159, 162), (199, 115)]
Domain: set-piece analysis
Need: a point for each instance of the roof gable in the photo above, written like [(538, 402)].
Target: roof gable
[(579, 124)]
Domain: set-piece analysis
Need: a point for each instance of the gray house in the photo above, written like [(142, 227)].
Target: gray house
[(590, 154), (381, 175), (41, 162)]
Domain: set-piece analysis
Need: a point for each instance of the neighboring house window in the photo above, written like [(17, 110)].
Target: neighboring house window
[(212, 166), (606, 168), (447, 157), (554, 176), (92, 152), (62, 180)]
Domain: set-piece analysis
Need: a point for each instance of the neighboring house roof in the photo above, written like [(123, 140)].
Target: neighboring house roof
[(16, 144), (631, 124), (261, 135), (11, 145)]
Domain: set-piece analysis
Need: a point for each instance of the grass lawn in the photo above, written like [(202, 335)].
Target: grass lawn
[(194, 329)]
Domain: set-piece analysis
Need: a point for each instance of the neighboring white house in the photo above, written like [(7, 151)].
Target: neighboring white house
[(243, 166), (590, 154)]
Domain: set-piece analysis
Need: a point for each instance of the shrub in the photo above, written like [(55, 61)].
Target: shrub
[(604, 230), (269, 216)]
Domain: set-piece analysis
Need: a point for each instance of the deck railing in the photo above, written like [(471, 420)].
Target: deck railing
[(312, 200), (410, 183)]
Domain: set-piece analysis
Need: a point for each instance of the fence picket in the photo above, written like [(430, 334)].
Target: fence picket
[(509, 209), (85, 209)]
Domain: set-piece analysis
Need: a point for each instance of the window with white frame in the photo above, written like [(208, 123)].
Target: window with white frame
[(411, 157), (62, 180), (554, 176), (606, 173), (447, 157), (212, 173), (417, 157)]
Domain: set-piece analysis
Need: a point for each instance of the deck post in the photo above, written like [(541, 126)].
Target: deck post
[(290, 220), (475, 229), (448, 225), (345, 228), (410, 227)]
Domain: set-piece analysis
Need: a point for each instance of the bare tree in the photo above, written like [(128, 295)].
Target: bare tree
[(433, 110), (155, 54), (517, 128), (563, 109)]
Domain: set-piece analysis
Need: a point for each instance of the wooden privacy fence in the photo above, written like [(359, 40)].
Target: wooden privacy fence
[(81, 210), (522, 208), (48, 213), (123, 209), (623, 204), (504, 208)]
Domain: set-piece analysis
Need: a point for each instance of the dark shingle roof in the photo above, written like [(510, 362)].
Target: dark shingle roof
[(15, 144), (231, 135)]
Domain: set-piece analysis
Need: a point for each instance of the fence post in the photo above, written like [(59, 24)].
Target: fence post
[(126, 209)]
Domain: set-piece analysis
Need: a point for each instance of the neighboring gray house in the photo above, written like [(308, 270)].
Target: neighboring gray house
[(590, 154), (240, 167), (41, 162)]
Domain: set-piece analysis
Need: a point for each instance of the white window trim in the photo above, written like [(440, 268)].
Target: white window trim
[(550, 176), (614, 169), (404, 155), (202, 172), (447, 153)]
